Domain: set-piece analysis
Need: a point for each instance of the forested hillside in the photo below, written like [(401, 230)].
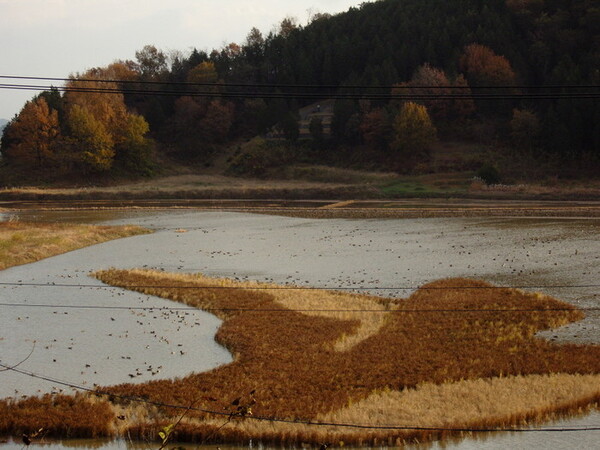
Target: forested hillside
[(518, 74)]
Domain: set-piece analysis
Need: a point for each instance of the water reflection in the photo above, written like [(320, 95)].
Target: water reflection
[(542, 439)]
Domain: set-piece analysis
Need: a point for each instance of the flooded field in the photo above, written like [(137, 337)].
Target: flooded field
[(81, 332)]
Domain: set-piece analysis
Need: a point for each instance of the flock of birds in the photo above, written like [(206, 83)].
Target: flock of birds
[(368, 259)]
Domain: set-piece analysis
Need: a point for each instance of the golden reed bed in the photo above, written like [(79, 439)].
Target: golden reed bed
[(442, 359), (23, 243)]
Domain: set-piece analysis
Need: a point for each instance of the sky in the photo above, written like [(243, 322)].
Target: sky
[(56, 38)]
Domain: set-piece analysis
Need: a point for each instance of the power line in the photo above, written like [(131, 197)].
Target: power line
[(391, 92), (290, 421), (300, 86), (283, 309), (304, 288), (316, 96)]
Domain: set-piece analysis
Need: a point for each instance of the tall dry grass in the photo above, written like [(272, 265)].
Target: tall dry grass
[(463, 405), (434, 348), (23, 242), (479, 403), (77, 416)]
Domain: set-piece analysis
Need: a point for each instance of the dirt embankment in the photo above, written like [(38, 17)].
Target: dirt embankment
[(195, 187), (331, 209), (330, 192), (309, 182)]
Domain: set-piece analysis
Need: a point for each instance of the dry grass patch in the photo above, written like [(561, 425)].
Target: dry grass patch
[(464, 405), (480, 403), (444, 357), (23, 243), (341, 306)]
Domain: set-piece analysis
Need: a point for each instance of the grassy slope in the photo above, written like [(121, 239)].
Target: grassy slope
[(449, 173)]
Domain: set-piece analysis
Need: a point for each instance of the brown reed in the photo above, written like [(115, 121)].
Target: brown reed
[(60, 416), (431, 349)]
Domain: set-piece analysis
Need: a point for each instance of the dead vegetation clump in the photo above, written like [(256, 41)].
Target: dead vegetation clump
[(58, 415), (455, 354), (23, 243)]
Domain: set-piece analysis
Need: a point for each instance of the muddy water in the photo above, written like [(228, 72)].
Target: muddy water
[(108, 345)]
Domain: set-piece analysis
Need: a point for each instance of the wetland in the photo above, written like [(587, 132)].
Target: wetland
[(390, 258)]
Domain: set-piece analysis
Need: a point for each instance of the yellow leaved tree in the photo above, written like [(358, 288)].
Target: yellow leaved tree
[(412, 137), (90, 139), (103, 131)]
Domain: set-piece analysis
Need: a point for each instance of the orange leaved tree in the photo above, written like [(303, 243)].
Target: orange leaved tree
[(33, 136), (483, 67)]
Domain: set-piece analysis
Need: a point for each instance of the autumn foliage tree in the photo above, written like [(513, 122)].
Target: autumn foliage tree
[(127, 71), (432, 83), (413, 135), (217, 121), (152, 63), (133, 149), (33, 137), (90, 140), (483, 67), (87, 130), (86, 92), (444, 99), (102, 129), (203, 73), (552, 43), (199, 123)]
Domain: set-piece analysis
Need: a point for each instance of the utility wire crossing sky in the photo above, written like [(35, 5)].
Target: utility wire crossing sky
[(60, 37)]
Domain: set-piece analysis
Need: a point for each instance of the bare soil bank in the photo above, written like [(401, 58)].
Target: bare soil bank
[(326, 209), (308, 183)]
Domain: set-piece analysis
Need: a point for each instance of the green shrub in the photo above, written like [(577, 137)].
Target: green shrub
[(258, 156), (489, 174)]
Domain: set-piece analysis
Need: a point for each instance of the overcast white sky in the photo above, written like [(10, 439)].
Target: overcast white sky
[(54, 38)]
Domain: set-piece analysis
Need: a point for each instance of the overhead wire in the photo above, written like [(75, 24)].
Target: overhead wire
[(306, 288), (285, 420), (302, 86), (300, 310), (591, 92), (316, 96), (389, 92), (296, 288)]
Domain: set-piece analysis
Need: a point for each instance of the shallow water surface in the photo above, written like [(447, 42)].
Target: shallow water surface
[(537, 438), (84, 333)]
